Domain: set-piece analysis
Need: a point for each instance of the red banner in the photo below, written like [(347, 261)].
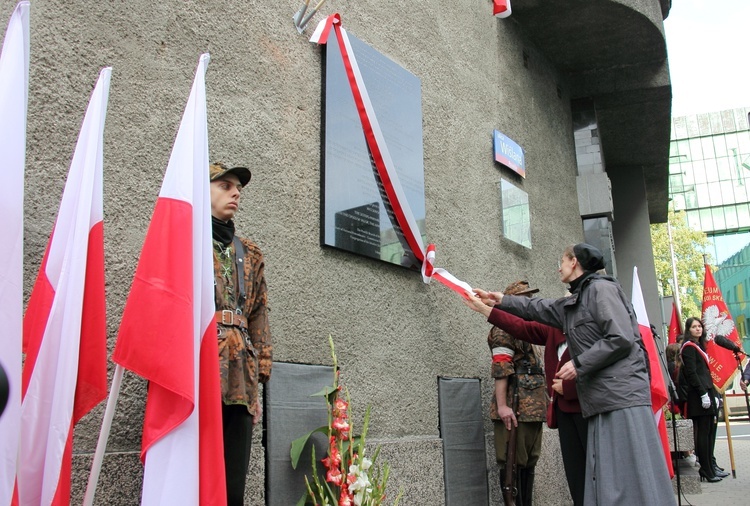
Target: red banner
[(675, 326), (718, 322)]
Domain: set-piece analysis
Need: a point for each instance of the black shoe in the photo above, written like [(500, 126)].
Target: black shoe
[(705, 477), (721, 474)]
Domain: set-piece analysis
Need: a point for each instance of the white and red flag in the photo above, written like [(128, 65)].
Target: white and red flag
[(14, 90), (659, 395), (718, 322), (501, 8), (64, 329), (675, 326), (168, 331)]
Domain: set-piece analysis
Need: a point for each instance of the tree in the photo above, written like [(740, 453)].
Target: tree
[(689, 247)]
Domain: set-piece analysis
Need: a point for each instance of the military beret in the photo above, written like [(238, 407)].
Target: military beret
[(590, 258)]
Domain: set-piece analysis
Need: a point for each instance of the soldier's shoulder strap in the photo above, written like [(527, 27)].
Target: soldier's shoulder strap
[(239, 260)]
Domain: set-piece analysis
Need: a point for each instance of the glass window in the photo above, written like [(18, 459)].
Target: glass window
[(675, 183), (724, 168), (683, 149), (720, 146), (687, 174), (743, 215), (732, 142), (673, 151), (728, 195), (674, 166), (699, 171), (694, 220), (691, 201), (730, 217), (704, 198), (707, 143), (741, 191), (743, 139), (714, 193), (706, 221), (678, 201), (712, 172), (696, 152)]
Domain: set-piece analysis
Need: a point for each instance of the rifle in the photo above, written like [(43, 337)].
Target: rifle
[(509, 488)]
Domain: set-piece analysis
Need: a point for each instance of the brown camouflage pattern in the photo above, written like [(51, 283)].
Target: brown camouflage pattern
[(245, 357), (532, 393)]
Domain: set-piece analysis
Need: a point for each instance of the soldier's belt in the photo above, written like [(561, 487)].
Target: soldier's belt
[(530, 370), (229, 317)]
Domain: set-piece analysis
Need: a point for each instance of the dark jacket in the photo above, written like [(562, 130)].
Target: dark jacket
[(604, 341), (695, 378), (551, 338)]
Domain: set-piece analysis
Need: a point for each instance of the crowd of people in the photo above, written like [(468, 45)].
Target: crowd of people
[(597, 377), (591, 381)]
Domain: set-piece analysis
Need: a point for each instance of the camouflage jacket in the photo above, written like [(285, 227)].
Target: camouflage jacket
[(244, 356), (513, 356)]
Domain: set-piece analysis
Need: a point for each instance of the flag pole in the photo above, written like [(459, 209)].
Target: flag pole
[(675, 286), (729, 434), (101, 445)]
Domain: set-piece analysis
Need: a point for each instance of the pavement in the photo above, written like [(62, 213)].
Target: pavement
[(734, 489)]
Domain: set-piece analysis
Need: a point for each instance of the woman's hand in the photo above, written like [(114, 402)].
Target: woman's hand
[(567, 371), (557, 385), (476, 304), (489, 298)]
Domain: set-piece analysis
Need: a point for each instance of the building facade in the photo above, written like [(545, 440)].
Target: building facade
[(709, 179), (582, 87)]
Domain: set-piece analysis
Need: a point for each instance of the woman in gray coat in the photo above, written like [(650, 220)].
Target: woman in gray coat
[(624, 461)]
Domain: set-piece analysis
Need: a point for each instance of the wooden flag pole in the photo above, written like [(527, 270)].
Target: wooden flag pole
[(729, 434), (101, 445)]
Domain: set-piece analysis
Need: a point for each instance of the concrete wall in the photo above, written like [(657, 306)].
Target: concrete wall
[(394, 334)]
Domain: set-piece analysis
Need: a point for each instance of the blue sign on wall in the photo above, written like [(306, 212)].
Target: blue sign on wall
[(509, 153)]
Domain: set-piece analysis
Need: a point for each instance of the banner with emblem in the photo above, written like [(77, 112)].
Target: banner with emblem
[(718, 322)]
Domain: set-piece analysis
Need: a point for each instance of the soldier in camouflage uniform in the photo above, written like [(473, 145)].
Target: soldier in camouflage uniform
[(242, 325), (511, 357)]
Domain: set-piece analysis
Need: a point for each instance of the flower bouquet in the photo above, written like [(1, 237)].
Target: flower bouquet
[(350, 477)]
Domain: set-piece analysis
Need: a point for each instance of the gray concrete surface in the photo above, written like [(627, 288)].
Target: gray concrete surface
[(733, 490)]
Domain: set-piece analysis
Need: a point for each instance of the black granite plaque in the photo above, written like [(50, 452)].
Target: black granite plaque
[(356, 214)]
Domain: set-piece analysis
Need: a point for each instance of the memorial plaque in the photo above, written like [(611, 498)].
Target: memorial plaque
[(356, 215), (516, 214)]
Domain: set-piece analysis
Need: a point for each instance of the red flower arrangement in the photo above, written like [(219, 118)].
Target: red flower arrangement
[(351, 479)]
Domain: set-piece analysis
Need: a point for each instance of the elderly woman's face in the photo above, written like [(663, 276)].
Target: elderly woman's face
[(566, 270)]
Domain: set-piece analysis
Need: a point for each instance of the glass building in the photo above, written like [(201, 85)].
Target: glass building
[(709, 179)]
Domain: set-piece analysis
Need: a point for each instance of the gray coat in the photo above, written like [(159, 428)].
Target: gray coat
[(601, 329)]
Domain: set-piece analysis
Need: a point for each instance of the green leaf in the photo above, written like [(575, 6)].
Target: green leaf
[(298, 445), (327, 390)]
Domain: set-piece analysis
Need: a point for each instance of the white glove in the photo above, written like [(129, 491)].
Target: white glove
[(705, 401)]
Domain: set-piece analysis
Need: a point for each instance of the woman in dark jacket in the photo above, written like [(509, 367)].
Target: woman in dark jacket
[(609, 364), (695, 378)]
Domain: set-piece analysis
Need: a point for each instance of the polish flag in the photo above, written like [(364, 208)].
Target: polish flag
[(64, 329), (675, 326), (501, 8), (717, 321), (659, 395), (168, 332), (14, 86)]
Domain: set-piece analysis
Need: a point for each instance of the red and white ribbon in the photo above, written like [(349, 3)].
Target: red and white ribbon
[(383, 162), (501, 8)]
